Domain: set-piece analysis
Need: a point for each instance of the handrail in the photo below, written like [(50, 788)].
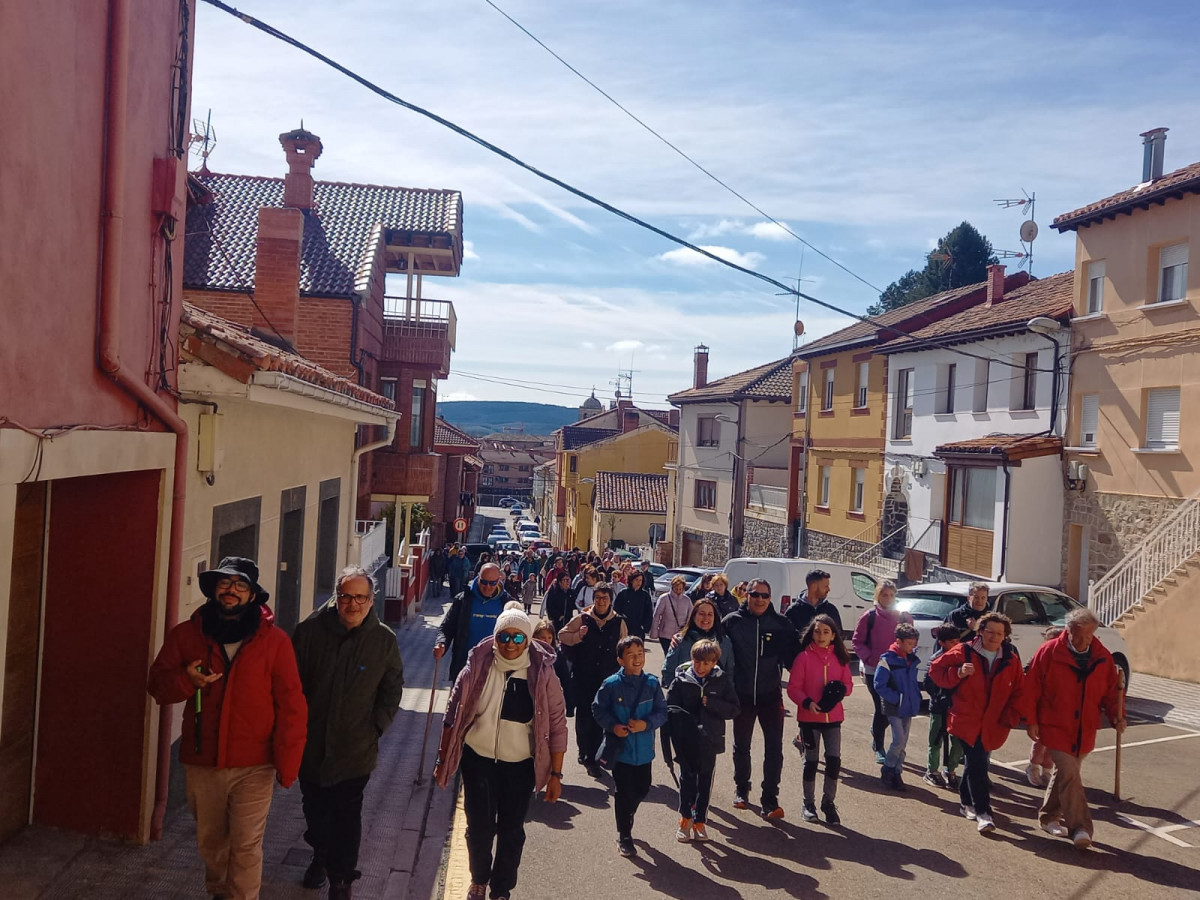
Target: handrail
[(874, 549), (857, 539), (1168, 545)]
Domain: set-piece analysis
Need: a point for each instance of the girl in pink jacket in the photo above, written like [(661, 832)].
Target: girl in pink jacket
[(817, 681)]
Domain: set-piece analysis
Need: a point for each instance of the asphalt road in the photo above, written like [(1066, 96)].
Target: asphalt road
[(890, 845)]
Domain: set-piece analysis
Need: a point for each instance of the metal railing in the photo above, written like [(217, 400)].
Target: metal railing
[(845, 552), (371, 538), (431, 318), (765, 495), (930, 540), (1167, 547)]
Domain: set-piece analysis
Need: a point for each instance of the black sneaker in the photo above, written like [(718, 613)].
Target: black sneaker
[(625, 846), (831, 813), (740, 801), (809, 811), (315, 875), (341, 890)]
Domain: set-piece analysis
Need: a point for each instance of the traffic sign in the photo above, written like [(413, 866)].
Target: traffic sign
[(460, 525)]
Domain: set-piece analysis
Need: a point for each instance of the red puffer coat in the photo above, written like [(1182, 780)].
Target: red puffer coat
[(1064, 700), (987, 703), (254, 714)]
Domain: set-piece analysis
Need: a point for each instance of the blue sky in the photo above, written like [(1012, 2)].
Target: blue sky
[(869, 128)]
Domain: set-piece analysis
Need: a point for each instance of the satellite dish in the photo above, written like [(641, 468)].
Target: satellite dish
[(1029, 231), (798, 328)]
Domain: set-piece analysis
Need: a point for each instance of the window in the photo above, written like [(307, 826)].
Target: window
[(504, 468), (858, 489), (827, 398), (707, 434), (824, 494), (1172, 273), (489, 468), (1027, 381), (706, 494), (902, 427), (1089, 419), (1162, 419), (983, 373), (1095, 287), (863, 585), (387, 387), (417, 422), (802, 393), (1020, 607), (574, 463), (864, 379), (946, 384), (973, 497)]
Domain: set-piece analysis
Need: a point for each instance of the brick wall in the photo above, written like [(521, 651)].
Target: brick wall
[(235, 307), (324, 334)]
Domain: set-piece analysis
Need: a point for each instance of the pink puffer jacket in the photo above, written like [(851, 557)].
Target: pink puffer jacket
[(813, 669)]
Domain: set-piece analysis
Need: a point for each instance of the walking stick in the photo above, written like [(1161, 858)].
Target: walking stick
[(1120, 716), (428, 722)]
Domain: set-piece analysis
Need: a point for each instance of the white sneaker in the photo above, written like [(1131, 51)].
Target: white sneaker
[(984, 822), (1055, 828), (1034, 775), (967, 811), (1081, 839)]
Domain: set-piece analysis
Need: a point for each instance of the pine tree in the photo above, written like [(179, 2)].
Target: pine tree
[(961, 258)]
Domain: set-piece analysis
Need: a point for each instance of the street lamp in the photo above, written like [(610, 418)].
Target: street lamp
[(1047, 328)]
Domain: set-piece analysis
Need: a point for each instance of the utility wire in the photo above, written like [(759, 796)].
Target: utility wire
[(888, 330), (750, 203)]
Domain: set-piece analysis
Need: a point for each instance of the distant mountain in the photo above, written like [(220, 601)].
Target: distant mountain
[(480, 417)]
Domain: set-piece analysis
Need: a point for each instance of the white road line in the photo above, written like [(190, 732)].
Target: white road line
[(1020, 765), (1157, 832)]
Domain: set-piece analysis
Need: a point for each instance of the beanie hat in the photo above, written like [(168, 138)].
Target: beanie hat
[(514, 616)]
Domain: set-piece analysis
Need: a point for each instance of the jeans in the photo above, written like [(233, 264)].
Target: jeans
[(975, 790), (895, 752), (333, 815), (768, 712), (231, 807), (633, 784), (813, 734), (496, 798), (695, 789), (588, 734), (879, 720), (941, 743)]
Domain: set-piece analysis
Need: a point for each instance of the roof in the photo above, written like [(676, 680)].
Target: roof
[(446, 435), (1007, 447), (204, 334), (630, 492), (1053, 297), (1172, 185), (591, 403), (574, 437), (341, 232), (771, 381), (661, 416)]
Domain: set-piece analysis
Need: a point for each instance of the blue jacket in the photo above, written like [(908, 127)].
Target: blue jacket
[(897, 685), (612, 707), (681, 654)]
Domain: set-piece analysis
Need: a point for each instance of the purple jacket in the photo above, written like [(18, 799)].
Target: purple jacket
[(549, 710), (883, 632)]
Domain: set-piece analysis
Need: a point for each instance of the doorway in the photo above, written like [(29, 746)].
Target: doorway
[(291, 558), (328, 514)]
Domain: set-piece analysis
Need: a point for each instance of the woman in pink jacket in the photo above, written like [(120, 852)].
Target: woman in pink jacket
[(817, 681)]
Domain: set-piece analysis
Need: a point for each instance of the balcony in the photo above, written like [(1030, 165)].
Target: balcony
[(419, 332), (403, 474)]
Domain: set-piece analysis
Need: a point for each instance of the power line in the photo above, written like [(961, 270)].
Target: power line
[(889, 330), (750, 203)]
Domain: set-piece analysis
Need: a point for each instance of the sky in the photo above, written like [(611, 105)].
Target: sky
[(869, 129)]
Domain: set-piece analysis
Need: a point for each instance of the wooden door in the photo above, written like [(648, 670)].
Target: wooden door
[(693, 551)]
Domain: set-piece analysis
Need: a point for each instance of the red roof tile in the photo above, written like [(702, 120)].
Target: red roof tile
[(1007, 446), (631, 492), (1140, 196), (772, 381), (446, 435)]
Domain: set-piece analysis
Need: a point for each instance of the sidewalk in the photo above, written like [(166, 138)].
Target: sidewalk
[(404, 825), (1174, 702)]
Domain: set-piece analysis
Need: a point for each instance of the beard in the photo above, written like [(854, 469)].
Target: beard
[(230, 626)]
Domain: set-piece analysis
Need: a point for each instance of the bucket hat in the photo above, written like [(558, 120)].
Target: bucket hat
[(227, 568)]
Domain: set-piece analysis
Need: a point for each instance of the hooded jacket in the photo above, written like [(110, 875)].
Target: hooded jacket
[(595, 654), (352, 681), (964, 616), (1065, 700), (614, 705), (897, 684), (801, 613), (726, 603), (636, 607), (254, 714), (762, 647), (455, 629), (987, 703), (874, 633), (813, 669), (559, 605), (549, 713), (681, 653), (687, 697)]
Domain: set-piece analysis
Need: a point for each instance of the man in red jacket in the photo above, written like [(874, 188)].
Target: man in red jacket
[(1070, 680), (245, 722)]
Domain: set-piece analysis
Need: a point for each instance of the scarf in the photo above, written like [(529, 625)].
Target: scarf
[(230, 629), (488, 708)]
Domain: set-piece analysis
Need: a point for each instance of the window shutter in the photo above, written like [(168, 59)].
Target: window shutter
[(1162, 418), (1089, 420), (1175, 255)]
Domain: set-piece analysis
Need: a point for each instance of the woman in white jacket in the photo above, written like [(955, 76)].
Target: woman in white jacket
[(671, 612)]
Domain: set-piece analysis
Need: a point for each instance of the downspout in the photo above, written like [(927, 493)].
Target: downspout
[(1004, 529), (354, 458), (108, 351)]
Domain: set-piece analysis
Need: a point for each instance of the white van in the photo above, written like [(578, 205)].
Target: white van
[(851, 589)]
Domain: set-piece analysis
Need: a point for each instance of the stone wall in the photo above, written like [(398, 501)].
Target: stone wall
[(716, 548), (1115, 524), (764, 538), (819, 545)]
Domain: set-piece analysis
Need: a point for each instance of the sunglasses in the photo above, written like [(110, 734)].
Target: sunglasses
[(489, 583), (505, 638), (761, 595)]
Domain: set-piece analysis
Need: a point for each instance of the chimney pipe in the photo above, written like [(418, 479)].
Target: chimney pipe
[(700, 369), (1153, 145), (629, 421), (302, 149), (995, 284)]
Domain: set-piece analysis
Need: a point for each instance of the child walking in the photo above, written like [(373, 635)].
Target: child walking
[(701, 698), (630, 705), (900, 696), (818, 681), (943, 748)]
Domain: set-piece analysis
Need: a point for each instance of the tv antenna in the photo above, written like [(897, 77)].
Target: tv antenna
[(798, 328), (624, 380), (1028, 232), (204, 134)]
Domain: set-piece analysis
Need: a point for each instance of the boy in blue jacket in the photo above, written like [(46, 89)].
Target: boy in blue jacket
[(630, 705), (900, 693)]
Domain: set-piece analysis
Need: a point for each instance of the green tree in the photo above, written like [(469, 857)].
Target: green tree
[(961, 258)]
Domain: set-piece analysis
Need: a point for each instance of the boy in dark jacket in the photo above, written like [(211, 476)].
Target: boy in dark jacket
[(898, 689), (942, 747), (701, 698)]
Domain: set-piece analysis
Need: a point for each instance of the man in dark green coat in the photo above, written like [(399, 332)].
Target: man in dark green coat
[(352, 675)]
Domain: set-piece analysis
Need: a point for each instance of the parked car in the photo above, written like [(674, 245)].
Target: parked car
[(541, 546), (1031, 607), (526, 526), (851, 588), (473, 551), (494, 540), (499, 529), (516, 511), (508, 501), (508, 546), (691, 573), (527, 538)]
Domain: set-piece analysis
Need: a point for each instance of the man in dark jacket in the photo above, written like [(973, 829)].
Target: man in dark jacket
[(764, 643), (352, 674), (592, 639), (813, 603), (472, 617), (966, 616)]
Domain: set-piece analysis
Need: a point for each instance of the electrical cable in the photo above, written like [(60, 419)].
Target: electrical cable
[(884, 330), (611, 99)]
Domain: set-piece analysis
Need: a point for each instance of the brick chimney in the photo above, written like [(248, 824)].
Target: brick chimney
[(1153, 147), (700, 368), (277, 271), (302, 149), (673, 418), (995, 284), (629, 420)]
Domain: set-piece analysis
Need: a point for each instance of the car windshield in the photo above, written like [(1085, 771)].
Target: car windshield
[(1056, 606), (864, 586), (926, 605)]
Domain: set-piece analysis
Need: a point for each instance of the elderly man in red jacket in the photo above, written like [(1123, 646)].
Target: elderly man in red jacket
[(1070, 680), (245, 723)]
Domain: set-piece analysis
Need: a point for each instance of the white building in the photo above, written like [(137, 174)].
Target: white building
[(973, 456)]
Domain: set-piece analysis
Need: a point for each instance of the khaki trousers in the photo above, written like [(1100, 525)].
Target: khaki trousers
[(1065, 799), (231, 806)]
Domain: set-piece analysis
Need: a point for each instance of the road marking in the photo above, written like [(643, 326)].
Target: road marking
[(1021, 764), (1162, 832)]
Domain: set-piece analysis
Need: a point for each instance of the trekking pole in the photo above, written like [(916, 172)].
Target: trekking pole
[(1120, 716), (428, 722)]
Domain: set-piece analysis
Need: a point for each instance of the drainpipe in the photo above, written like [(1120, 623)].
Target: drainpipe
[(354, 458), (108, 351), (1004, 524)]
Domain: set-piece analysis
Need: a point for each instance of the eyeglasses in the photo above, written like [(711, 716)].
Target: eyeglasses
[(505, 638), (760, 595), (489, 582), (236, 584), (354, 599)]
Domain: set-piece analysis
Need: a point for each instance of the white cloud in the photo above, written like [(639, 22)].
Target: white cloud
[(469, 250), (769, 231), (725, 226), (456, 396), (685, 257), (624, 346), (588, 345)]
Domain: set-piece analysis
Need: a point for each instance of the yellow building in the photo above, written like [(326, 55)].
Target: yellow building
[(626, 506)]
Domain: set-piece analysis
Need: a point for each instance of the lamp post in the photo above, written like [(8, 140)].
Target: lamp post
[(737, 503)]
